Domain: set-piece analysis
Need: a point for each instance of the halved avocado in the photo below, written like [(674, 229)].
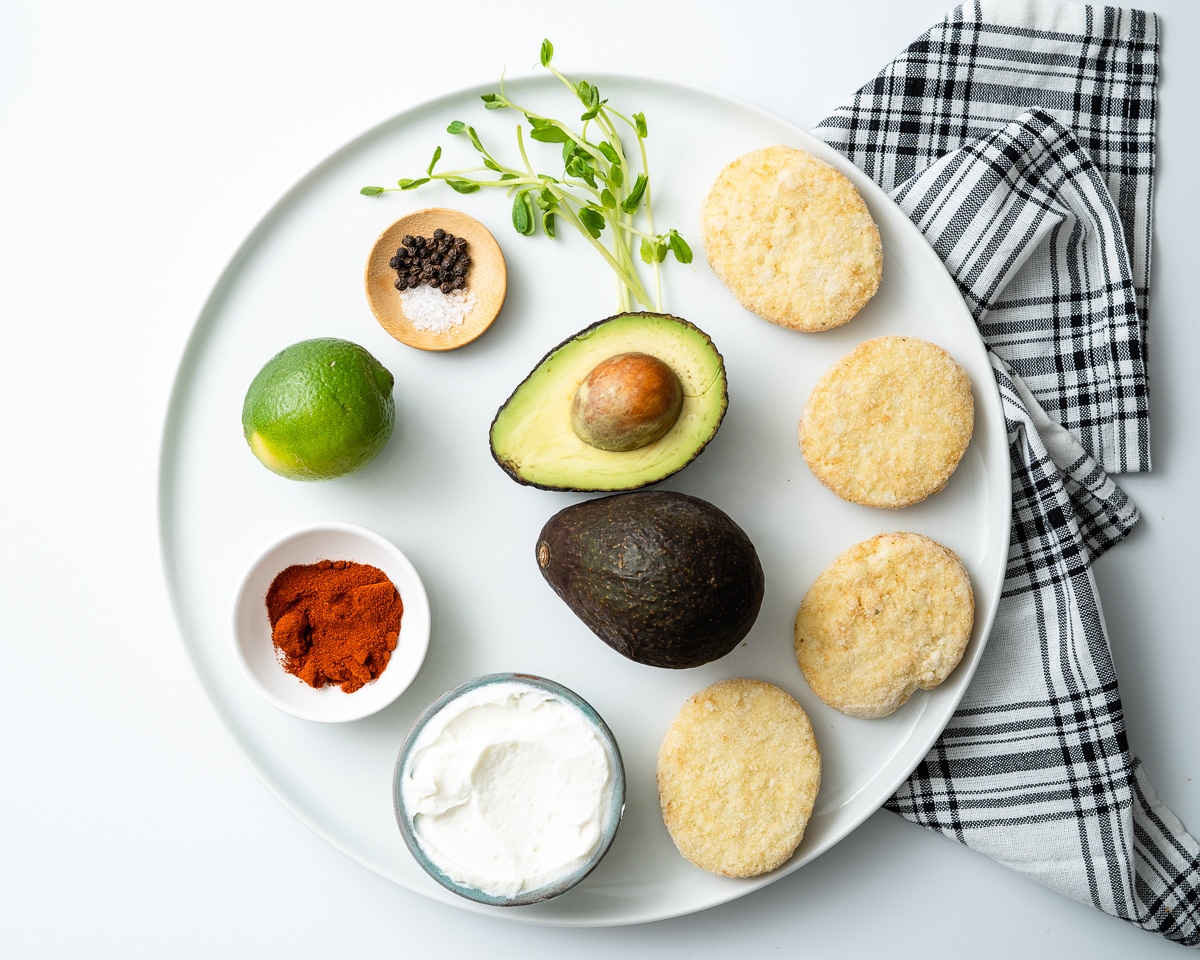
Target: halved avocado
[(532, 437)]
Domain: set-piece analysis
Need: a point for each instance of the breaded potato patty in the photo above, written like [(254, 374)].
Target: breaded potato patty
[(890, 615), (792, 238), (887, 424), (738, 773)]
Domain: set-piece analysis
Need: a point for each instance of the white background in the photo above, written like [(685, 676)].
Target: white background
[(139, 143)]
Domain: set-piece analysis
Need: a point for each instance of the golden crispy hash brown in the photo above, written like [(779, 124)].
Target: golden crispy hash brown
[(738, 773)]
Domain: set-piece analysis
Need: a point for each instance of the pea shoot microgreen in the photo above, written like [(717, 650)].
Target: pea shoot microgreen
[(598, 192)]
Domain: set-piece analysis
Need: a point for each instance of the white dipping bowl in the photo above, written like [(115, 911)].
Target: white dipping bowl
[(611, 814), (252, 629)]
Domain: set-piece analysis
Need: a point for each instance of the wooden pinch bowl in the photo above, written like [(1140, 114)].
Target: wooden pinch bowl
[(487, 279)]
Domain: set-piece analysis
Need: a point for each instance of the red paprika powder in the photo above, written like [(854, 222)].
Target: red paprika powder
[(334, 621)]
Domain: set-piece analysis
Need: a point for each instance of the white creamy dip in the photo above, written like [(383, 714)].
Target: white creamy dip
[(508, 788)]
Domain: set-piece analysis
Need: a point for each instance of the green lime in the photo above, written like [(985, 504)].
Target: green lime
[(319, 409)]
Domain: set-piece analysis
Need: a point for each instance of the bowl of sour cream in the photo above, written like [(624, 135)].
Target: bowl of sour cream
[(509, 789)]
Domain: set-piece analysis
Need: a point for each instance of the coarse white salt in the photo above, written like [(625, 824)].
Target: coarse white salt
[(427, 308)]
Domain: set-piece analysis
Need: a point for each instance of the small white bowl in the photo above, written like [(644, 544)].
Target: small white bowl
[(252, 629)]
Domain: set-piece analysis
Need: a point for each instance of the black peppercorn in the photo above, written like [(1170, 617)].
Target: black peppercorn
[(440, 261)]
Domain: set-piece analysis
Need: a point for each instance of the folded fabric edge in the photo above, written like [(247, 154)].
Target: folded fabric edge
[(1071, 19)]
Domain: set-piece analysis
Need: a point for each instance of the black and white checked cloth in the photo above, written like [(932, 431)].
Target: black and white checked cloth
[(1019, 136)]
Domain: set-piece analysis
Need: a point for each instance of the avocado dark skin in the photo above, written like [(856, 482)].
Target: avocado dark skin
[(663, 578)]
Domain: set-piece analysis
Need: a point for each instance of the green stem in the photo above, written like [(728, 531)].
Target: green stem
[(627, 275)]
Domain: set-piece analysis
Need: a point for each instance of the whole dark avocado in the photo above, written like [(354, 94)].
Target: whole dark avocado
[(663, 578)]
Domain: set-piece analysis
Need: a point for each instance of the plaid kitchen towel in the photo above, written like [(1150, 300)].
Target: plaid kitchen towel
[(1019, 136)]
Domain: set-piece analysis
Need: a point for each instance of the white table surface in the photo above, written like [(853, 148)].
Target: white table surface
[(139, 143)]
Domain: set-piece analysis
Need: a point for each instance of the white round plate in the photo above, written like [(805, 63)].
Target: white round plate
[(436, 493)]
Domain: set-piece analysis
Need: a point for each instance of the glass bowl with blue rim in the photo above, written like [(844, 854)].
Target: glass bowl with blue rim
[(509, 789)]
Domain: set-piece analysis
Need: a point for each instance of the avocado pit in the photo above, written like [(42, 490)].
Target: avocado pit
[(626, 402)]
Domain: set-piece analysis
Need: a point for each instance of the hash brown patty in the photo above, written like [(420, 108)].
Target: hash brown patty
[(738, 774), (792, 239), (887, 424), (888, 616)]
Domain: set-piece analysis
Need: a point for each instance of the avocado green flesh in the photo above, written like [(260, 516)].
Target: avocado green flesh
[(532, 437)]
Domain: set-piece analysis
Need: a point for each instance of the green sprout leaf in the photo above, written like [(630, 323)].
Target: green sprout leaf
[(547, 52), (475, 140), (462, 186), (550, 134), (522, 213), (581, 167), (589, 95), (639, 123), (371, 191), (636, 192), (456, 127), (610, 153), (407, 184), (679, 247), (548, 223), (548, 131), (437, 155), (593, 221)]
